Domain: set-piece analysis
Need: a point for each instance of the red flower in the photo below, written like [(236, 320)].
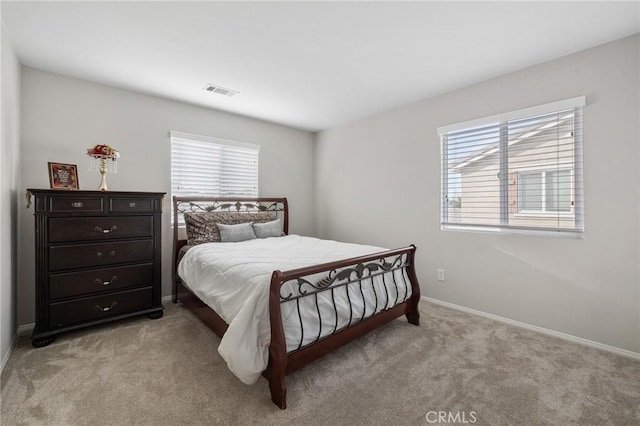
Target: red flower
[(103, 151)]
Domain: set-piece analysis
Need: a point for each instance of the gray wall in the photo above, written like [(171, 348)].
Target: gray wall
[(377, 181), (62, 117), (9, 160)]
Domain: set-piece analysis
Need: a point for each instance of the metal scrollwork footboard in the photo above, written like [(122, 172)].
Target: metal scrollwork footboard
[(362, 290), (383, 284)]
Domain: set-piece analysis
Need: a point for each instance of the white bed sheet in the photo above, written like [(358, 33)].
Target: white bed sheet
[(233, 279)]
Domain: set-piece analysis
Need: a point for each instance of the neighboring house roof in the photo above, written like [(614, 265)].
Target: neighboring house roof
[(494, 148)]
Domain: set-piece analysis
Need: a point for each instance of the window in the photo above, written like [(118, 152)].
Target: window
[(545, 191), (202, 165), (516, 171)]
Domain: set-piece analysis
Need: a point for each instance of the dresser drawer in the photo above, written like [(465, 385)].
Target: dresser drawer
[(99, 307), (120, 205), (99, 228), (82, 283), (99, 254), (76, 204)]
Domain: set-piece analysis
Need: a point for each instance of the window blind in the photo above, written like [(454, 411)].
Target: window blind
[(516, 171), (202, 165)]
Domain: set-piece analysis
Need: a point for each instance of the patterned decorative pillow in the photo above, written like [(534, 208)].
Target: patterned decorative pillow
[(236, 233), (202, 228), (268, 229)]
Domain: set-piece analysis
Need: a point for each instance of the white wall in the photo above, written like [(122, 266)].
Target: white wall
[(62, 117), (9, 157), (378, 182)]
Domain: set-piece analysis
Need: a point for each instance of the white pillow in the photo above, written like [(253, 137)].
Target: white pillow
[(236, 233), (268, 229)]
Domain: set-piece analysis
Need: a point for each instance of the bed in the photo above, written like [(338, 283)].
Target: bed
[(295, 298)]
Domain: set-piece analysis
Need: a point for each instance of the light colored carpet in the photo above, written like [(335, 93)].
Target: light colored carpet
[(168, 372)]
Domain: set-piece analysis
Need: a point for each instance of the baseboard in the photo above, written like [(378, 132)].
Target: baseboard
[(542, 330), (167, 299), (8, 354), (25, 330)]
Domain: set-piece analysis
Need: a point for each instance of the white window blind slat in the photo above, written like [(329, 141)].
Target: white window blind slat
[(515, 171)]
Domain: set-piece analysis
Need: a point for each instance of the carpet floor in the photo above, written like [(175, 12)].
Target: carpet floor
[(455, 368)]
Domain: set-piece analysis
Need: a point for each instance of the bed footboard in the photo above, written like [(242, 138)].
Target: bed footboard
[(376, 288)]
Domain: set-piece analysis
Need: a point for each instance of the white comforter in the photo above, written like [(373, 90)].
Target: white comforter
[(233, 279)]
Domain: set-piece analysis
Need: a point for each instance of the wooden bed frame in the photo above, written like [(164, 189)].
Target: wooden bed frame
[(351, 272)]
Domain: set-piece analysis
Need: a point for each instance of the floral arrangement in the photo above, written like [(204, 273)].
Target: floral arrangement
[(103, 151), (103, 158)]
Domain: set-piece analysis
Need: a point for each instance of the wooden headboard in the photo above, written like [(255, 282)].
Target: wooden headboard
[(222, 204)]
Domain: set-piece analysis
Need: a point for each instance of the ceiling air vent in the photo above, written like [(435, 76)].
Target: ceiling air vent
[(220, 90)]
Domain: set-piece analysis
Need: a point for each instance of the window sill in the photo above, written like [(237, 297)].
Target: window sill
[(576, 235)]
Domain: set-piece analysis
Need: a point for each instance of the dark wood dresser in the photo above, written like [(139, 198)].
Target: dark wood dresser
[(97, 258)]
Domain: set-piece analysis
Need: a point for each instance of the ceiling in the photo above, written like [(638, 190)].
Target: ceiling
[(308, 65)]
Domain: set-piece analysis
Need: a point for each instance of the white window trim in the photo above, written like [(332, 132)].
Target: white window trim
[(576, 102), (219, 141), (514, 231)]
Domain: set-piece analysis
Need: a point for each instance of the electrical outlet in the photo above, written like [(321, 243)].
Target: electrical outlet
[(441, 275)]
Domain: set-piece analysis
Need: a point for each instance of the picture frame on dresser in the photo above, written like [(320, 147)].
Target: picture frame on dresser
[(97, 258), (63, 176)]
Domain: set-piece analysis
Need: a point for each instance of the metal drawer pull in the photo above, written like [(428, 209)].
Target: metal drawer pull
[(132, 205), (105, 231), (100, 282), (108, 308), (77, 204), (99, 254), (112, 252)]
